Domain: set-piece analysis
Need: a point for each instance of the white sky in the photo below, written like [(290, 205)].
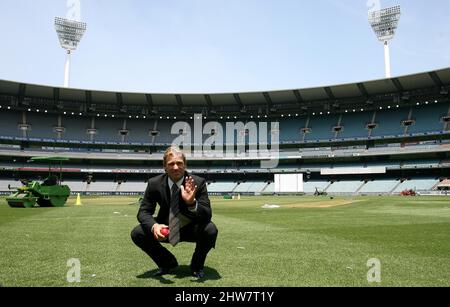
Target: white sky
[(212, 46)]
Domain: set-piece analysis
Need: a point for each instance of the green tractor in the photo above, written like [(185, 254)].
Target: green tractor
[(49, 193)]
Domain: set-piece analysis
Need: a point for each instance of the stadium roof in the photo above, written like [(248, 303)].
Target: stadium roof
[(437, 81)]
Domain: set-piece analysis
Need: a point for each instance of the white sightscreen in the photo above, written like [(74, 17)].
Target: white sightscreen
[(288, 183)]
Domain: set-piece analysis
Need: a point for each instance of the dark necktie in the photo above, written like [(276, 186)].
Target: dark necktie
[(174, 221)]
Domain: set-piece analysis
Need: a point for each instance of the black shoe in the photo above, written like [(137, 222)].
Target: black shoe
[(198, 273), (164, 270)]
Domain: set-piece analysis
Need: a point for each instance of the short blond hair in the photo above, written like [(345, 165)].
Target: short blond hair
[(173, 151)]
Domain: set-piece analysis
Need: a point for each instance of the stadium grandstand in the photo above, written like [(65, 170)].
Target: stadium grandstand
[(367, 138)]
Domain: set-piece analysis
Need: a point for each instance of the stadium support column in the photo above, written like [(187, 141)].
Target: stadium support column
[(387, 60), (67, 70)]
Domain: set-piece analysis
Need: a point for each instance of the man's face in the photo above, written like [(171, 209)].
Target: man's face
[(175, 167)]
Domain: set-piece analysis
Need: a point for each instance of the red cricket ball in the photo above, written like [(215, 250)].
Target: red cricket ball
[(165, 231)]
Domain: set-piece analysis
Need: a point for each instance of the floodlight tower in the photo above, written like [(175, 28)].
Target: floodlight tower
[(69, 33), (384, 23)]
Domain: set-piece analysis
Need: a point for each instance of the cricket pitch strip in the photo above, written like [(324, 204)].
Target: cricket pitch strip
[(323, 203)]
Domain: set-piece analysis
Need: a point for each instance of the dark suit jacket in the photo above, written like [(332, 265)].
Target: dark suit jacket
[(158, 192)]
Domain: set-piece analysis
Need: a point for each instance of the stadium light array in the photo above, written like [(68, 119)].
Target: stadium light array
[(69, 33), (384, 23)]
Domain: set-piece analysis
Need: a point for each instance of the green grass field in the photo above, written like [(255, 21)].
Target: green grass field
[(288, 246)]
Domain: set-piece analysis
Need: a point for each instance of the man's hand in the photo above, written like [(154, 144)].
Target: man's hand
[(188, 191), (157, 232)]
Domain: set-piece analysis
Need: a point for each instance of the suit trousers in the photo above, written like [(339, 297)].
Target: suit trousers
[(204, 235)]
